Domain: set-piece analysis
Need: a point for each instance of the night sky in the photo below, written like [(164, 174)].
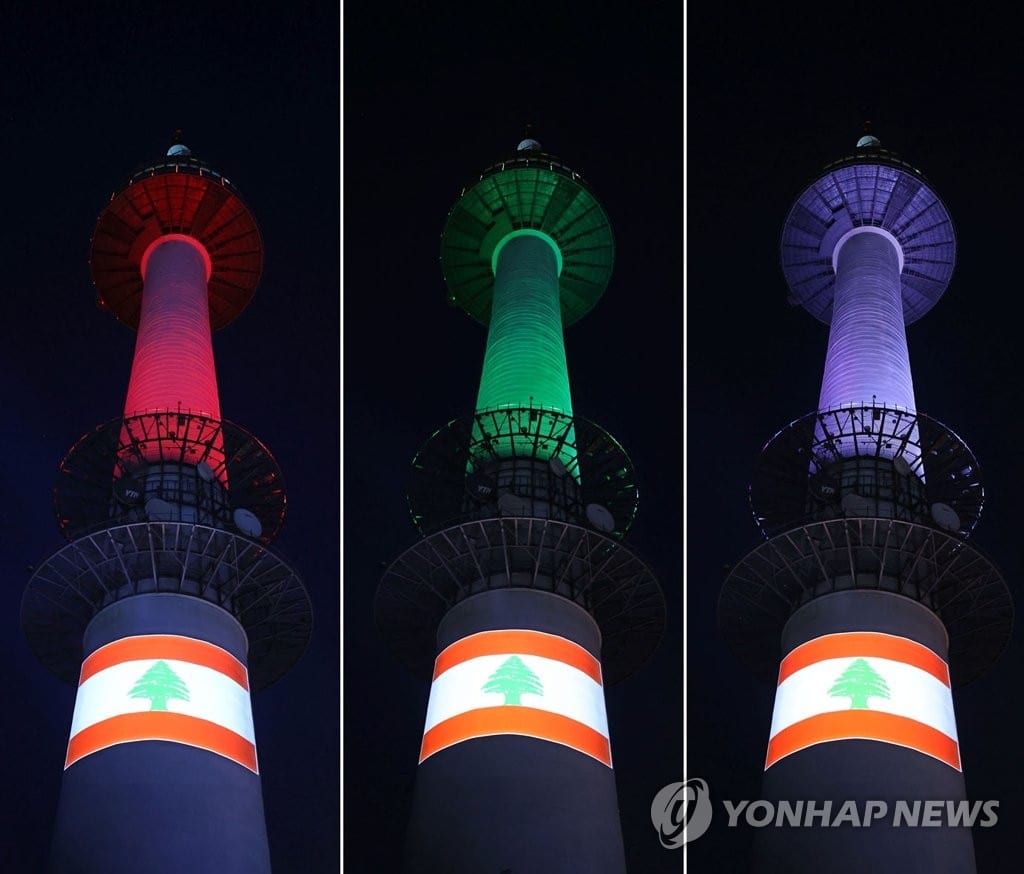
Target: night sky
[(86, 99), (771, 99), (348, 357)]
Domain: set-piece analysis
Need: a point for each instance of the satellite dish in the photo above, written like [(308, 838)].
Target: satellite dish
[(857, 505), (205, 471), (902, 466), (600, 518), (159, 510), (826, 488), (945, 516), (557, 466), (513, 505), (247, 523), (480, 486), (128, 491)]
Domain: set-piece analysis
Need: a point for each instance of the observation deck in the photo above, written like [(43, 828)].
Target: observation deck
[(535, 191), (178, 195), (870, 187)]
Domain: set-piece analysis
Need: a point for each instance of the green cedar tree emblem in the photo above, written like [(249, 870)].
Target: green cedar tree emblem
[(859, 682), (159, 684), (512, 679)]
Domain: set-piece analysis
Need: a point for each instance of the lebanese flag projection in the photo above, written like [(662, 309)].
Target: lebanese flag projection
[(163, 687), (864, 685), (517, 682)]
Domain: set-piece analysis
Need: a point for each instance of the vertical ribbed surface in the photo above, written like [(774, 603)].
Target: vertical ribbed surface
[(867, 345), (173, 364), (525, 356)]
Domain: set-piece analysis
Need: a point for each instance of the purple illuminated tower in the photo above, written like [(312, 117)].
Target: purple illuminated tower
[(166, 608), (866, 603)]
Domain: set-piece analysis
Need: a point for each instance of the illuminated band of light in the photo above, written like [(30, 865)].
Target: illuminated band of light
[(867, 686), (173, 367), (163, 687), (524, 362), (867, 354), (517, 682)]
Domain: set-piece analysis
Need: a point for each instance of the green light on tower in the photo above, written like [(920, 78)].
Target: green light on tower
[(527, 251)]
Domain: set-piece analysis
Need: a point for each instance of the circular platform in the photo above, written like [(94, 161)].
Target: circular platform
[(536, 191), (178, 195), (599, 574), (465, 447), (240, 575), (84, 492), (794, 478), (872, 187), (939, 570)]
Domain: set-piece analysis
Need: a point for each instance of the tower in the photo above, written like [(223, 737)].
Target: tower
[(520, 602), (867, 603), (166, 607)]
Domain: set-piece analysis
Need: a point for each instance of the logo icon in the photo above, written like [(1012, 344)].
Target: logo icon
[(681, 812)]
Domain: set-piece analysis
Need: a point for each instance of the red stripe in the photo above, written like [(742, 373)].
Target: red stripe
[(513, 719), (162, 725), (165, 646), (535, 643), (866, 725), (864, 644)]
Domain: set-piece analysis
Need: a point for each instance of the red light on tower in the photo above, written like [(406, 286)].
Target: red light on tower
[(166, 608), (176, 254)]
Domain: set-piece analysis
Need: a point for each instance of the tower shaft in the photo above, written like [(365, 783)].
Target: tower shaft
[(524, 363), (168, 785), (173, 366), (516, 784), (864, 714), (867, 359)]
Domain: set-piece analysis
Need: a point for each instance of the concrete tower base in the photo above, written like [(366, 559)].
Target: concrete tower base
[(153, 805), (507, 803), (862, 771)]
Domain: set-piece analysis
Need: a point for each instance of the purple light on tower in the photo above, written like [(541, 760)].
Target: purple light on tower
[(866, 603), (868, 248), (867, 345)]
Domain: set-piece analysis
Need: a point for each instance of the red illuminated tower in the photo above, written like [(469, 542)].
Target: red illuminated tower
[(166, 607)]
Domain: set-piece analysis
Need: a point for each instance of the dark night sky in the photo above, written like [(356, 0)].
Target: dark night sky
[(85, 99), (772, 98)]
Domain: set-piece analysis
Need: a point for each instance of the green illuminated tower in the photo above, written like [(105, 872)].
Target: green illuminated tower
[(520, 602)]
